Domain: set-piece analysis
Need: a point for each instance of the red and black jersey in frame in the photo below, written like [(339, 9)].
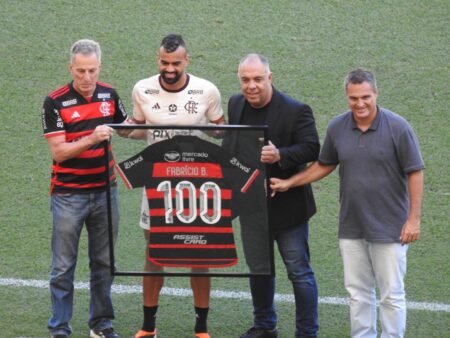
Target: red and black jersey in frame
[(190, 185), (66, 112)]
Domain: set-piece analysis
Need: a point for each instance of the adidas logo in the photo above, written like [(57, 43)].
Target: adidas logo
[(75, 115), (156, 106)]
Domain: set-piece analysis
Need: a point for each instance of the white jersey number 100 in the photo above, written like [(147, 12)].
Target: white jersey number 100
[(186, 187)]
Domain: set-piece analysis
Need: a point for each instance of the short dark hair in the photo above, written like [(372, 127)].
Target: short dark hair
[(360, 75), (171, 42)]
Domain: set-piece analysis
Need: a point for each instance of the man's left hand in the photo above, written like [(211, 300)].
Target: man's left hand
[(410, 232), (270, 154)]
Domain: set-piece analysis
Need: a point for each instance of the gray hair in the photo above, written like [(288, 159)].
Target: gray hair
[(255, 56), (85, 47), (360, 75)]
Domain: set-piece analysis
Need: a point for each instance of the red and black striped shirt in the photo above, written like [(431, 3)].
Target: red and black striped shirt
[(190, 184), (66, 112)]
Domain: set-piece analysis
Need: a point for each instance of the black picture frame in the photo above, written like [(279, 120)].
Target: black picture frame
[(220, 131)]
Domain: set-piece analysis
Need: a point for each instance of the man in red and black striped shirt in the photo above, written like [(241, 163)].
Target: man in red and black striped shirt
[(73, 119)]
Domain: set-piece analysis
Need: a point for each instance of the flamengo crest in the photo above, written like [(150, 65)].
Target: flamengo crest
[(105, 109)]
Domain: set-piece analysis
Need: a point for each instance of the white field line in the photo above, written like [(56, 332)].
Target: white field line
[(288, 298)]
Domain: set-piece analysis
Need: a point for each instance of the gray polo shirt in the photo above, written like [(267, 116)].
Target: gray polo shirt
[(373, 168)]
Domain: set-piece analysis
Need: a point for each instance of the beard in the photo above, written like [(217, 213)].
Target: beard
[(171, 80)]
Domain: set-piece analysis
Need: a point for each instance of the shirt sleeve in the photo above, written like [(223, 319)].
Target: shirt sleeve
[(134, 171), (138, 113), (121, 114), (328, 154), (408, 152), (215, 110), (52, 123), (241, 176)]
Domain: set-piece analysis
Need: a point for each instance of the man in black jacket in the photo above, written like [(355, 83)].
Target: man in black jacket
[(293, 142)]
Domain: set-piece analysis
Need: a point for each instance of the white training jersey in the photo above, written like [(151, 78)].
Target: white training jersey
[(197, 103)]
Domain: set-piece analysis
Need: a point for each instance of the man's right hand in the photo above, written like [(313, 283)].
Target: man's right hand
[(63, 150), (101, 133), (278, 185)]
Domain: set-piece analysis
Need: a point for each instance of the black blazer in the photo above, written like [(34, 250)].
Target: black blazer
[(293, 131)]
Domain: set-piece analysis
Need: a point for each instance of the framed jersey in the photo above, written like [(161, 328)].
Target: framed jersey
[(195, 193)]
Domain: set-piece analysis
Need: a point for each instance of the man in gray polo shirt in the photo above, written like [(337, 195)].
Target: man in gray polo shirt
[(381, 188)]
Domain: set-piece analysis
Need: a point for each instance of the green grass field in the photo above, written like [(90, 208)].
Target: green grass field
[(311, 46)]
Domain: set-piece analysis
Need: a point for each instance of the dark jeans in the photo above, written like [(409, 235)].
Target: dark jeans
[(294, 250)]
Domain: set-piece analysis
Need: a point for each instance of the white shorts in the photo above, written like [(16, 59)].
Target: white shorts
[(144, 220)]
